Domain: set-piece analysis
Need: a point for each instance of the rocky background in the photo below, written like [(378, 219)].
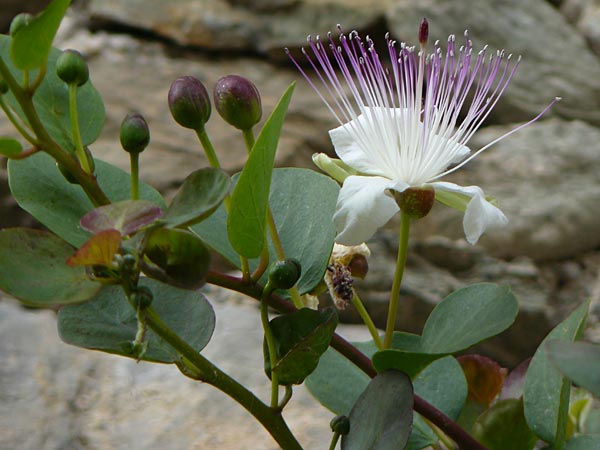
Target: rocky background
[(546, 178)]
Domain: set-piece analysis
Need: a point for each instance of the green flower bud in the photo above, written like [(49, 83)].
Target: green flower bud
[(142, 297), (135, 134), (3, 87), (19, 21), (340, 424), (285, 274), (238, 101), (72, 68), (189, 102), (415, 202)]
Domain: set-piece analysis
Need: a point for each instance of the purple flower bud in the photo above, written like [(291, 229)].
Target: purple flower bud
[(135, 134), (72, 68), (238, 101), (189, 102)]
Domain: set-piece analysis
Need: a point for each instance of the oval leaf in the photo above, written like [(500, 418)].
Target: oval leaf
[(200, 195), (246, 224), (31, 44), (503, 427), (303, 202), (33, 269), (468, 316), (382, 416), (405, 356), (41, 190), (100, 250), (126, 216), (10, 147), (584, 443), (485, 378), (108, 322), (301, 338), (546, 392), (578, 361)]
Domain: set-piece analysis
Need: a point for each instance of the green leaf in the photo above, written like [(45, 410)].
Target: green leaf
[(303, 203), (108, 322), (468, 316), (100, 250), (246, 224), (200, 195), (578, 361), (406, 355), (126, 216), (589, 442), (301, 338), (382, 416), (546, 392), (51, 102), (31, 44), (10, 147), (503, 427), (40, 189), (33, 269), (178, 258)]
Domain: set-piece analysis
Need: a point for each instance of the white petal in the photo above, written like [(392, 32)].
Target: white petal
[(480, 214), (362, 208)]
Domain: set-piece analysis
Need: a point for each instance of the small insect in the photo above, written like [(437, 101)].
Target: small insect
[(339, 281)]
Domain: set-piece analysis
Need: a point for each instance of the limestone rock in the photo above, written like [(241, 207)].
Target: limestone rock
[(556, 60), (585, 16), (546, 179)]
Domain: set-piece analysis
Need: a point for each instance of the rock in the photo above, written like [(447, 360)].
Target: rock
[(263, 26), (58, 396), (585, 16), (556, 60), (546, 179)]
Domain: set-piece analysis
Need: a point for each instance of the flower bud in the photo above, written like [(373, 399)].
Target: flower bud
[(238, 101), (19, 21), (189, 102), (142, 297), (135, 134), (285, 274), (340, 425), (72, 68), (415, 202)]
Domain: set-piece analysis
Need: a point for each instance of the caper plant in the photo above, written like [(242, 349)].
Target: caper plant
[(125, 267)]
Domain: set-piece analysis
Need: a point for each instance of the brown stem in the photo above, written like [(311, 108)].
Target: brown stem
[(464, 440)]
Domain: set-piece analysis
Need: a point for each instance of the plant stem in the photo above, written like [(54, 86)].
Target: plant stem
[(271, 419), (264, 318), (81, 155), (15, 122), (47, 144), (364, 314), (359, 359), (334, 440), (395, 294), (40, 77), (209, 150), (134, 162), (248, 139)]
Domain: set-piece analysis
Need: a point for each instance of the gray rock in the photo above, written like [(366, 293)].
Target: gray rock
[(546, 179), (556, 60), (11, 8), (585, 16), (265, 26), (54, 396)]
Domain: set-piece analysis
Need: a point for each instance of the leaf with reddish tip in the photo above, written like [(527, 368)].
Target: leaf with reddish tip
[(484, 377), (126, 216), (513, 385), (99, 250)]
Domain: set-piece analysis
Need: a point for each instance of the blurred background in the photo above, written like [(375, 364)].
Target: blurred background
[(546, 179)]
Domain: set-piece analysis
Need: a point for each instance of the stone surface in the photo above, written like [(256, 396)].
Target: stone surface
[(546, 179), (54, 396), (11, 8), (556, 60), (585, 15)]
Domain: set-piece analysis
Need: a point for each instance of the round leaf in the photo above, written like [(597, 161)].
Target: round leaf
[(578, 361), (108, 322), (200, 195), (33, 269), (126, 216), (10, 147), (382, 416), (584, 443), (484, 376), (468, 316)]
